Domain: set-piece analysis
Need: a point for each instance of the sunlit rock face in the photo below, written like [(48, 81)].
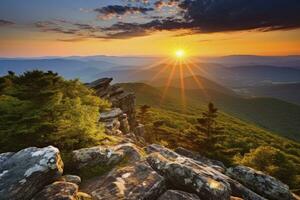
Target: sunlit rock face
[(117, 96), (135, 182), (200, 176), (105, 156), (134, 173), (204, 181), (263, 184), (111, 121), (26, 172)]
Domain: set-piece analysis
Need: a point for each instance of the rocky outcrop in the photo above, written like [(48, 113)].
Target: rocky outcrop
[(111, 122), (95, 156), (117, 96), (206, 182), (132, 173), (26, 172), (133, 182), (261, 183), (178, 195)]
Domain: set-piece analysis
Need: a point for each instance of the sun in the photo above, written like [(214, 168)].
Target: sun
[(180, 53)]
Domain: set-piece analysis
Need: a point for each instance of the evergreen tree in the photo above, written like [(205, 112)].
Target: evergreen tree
[(41, 108), (208, 125)]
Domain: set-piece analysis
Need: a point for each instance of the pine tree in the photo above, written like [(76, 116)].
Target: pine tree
[(208, 125)]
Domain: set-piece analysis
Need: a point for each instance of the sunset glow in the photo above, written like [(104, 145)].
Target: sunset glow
[(180, 53), (98, 27)]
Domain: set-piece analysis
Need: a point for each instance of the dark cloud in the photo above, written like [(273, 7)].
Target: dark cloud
[(193, 16), (6, 22), (209, 16), (235, 15), (117, 10)]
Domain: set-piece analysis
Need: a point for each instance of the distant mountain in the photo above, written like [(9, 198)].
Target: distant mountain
[(85, 70), (238, 60), (271, 114), (286, 92), (233, 77), (161, 71), (129, 61), (193, 82), (255, 75), (131, 69)]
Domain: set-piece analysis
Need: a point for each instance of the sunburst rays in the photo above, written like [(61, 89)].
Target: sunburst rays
[(185, 67)]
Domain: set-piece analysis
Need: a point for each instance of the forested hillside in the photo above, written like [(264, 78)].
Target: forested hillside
[(171, 124)]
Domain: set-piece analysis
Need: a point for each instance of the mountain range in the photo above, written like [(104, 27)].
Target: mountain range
[(256, 92)]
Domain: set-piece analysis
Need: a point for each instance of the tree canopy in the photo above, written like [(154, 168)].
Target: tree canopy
[(41, 108)]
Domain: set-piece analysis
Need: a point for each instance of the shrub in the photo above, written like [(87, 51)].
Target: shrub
[(41, 108), (272, 161)]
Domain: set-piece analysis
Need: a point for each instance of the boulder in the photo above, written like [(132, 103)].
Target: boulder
[(26, 172), (94, 156), (197, 157), (263, 184), (59, 190), (5, 156), (130, 151), (182, 173), (237, 189), (133, 182), (106, 156), (178, 195), (71, 178)]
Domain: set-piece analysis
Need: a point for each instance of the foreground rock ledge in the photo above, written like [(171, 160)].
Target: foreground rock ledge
[(133, 182), (261, 183), (26, 172)]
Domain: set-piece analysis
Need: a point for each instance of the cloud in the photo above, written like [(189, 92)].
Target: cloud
[(210, 16), (6, 22), (236, 15), (118, 10), (193, 16)]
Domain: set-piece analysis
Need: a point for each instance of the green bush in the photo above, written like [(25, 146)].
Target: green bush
[(272, 161), (41, 108)]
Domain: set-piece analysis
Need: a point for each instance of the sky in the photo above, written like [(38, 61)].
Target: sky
[(30, 28)]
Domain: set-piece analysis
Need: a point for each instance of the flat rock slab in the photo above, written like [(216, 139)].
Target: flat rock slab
[(265, 185), (197, 157), (183, 173), (113, 113), (105, 156), (26, 172), (95, 156), (178, 195), (134, 182)]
